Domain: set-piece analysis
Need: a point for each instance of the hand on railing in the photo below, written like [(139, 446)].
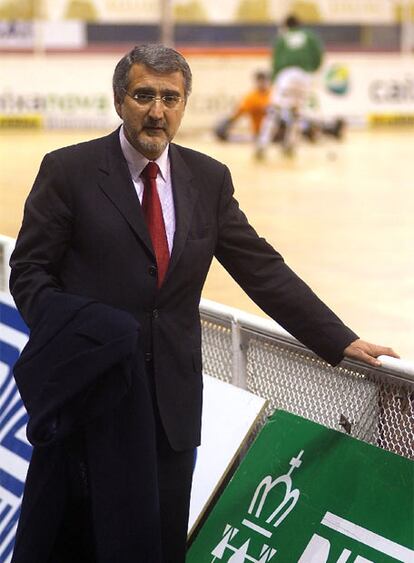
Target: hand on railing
[(368, 353)]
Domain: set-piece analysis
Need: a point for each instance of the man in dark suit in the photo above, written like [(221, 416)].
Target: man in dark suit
[(95, 226)]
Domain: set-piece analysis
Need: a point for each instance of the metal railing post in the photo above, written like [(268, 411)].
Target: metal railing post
[(239, 363)]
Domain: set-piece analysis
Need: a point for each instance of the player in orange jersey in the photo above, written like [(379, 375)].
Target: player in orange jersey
[(254, 105)]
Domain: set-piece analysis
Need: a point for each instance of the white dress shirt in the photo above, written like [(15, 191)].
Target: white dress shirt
[(136, 164)]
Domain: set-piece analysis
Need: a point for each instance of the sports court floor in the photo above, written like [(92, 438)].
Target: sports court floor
[(340, 213)]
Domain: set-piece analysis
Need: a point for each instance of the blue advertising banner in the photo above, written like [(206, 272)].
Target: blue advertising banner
[(15, 451)]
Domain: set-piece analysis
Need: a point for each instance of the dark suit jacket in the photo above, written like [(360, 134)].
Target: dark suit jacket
[(92, 427), (84, 232)]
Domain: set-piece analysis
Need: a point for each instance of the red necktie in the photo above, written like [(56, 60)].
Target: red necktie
[(151, 207)]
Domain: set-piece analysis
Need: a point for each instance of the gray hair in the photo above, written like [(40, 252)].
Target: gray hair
[(156, 57)]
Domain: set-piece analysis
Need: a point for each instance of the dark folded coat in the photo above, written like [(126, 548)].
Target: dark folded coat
[(82, 380)]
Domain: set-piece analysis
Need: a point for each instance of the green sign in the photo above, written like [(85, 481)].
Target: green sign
[(308, 494)]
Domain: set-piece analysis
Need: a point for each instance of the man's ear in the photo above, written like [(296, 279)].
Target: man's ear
[(118, 106)]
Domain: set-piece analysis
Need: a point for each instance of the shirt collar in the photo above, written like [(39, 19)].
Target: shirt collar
[(137, 162)]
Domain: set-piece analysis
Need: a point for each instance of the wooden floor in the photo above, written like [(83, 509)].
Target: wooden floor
[(341, 214)]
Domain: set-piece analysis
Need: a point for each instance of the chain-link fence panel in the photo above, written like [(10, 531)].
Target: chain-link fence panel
[(296, 381), (364, 402), (396, 418), (217, 350)]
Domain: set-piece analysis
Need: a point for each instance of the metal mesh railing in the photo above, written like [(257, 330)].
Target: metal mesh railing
[(374, 405), (298, 382), (217, 349)]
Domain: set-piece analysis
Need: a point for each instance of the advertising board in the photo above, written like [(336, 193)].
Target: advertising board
[(211, 11), (308, 494), (74, 91), (15, 451)]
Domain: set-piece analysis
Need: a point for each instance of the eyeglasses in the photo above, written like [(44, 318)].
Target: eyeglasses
[(170, 101)]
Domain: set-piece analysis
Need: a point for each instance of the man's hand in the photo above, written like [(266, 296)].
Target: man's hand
[(367, 352)]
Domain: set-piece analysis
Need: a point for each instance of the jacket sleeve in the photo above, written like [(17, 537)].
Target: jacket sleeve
[(261, 271), (42, 241)]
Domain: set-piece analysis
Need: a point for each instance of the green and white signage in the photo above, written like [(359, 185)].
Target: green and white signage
[(308, 494)]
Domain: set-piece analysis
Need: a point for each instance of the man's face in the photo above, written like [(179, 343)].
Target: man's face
[(150, 127)]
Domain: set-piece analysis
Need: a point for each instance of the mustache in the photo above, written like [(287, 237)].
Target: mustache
[(151, 122)]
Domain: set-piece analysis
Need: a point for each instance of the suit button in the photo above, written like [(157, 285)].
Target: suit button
[(155, 314), (152, 270), (148, 356)]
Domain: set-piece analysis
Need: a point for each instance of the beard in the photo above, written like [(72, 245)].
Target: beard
[(152, 144), (150, 139), (153, 147)]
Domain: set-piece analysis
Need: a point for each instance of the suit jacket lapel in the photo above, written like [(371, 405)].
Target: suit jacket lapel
[(115, 180), (185, 194)]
